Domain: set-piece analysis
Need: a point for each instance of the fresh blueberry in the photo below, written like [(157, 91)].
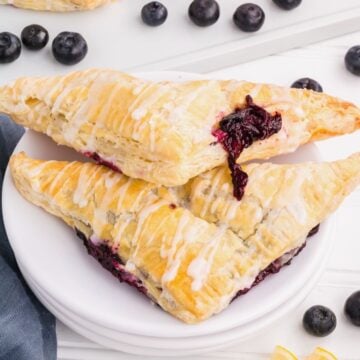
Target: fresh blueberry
[(287, 4), (10, 47), (154, 13), (249, 17), (319, 321), (204, 12), (69, 48), (352, 308), (34, 37), (352, 60), (307, 83)]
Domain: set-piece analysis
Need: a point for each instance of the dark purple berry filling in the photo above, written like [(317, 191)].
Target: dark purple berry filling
[(239, 130), (111, 262), (314, 230), (99, 160)]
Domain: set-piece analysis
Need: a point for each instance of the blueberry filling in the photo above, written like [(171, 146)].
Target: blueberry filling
[(239, 130), (314, 230), (111, 262), (99, 160)]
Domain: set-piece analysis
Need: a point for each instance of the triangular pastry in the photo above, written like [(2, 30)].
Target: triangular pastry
[(167, 132), (194, 248), (55, 5)]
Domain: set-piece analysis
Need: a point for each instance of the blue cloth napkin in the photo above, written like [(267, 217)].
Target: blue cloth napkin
[(27, 329)]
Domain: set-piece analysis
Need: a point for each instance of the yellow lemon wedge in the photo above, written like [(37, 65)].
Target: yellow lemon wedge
[(280, 353), (321, 354)]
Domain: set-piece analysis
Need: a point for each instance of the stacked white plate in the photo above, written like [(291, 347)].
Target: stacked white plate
[(91, 301)]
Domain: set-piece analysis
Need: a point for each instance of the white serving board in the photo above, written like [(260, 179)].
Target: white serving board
[(117, 37)]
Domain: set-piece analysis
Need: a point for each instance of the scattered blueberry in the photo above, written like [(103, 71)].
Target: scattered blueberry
[(69, 48), (352, 60), (307, 83), (10, 47), (319, 321), (154, 13), (287, 4), (204, 12), (249, 17), (34, 37), (352, 308)]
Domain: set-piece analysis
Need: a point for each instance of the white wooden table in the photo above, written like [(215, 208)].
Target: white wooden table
[(324, 62)]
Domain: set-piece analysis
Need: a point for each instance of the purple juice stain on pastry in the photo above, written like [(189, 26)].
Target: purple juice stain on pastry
[(110, 261), (99, 160), (239, 130)]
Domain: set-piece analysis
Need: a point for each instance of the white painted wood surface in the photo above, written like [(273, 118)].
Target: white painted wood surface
[(117, 38), (324, 62)]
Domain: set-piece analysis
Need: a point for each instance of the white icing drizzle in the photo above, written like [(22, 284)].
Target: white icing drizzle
[(71, 131), (143, 216), (84, 182), (213, 190), (176, 251), (101, 118), (200, 267), (59, 176), (100, 212)]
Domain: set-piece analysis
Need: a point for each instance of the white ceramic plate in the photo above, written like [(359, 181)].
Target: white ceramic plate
[(57, 261)]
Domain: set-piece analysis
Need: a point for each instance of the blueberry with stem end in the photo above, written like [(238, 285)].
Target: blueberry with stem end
[(204, 12), (10, 47), (154, 13), (319, 321), (34, 37), (69, 48), (249, 17)]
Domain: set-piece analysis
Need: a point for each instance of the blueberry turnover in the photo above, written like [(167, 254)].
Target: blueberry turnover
[(194, 260), (128, 123)]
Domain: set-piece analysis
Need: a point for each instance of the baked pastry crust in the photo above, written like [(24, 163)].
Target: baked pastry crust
[(162, 132), (194, 247), (55, 5)]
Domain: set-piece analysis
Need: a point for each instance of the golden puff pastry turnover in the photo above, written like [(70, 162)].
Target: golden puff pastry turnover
[(167, 132), (55, 5), (188, 250)]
